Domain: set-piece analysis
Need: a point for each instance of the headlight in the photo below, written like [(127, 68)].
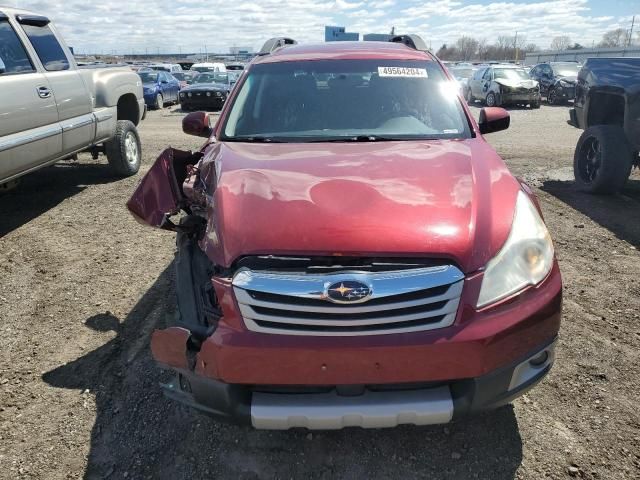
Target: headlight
[(190, 94), (525, 259), (182, 95), (218, 94), (564, 83), (208, 94)]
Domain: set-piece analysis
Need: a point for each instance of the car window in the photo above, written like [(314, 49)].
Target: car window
[(479, 73), (47, 47), (511, 73), (339, 100), (148, 77), (487, 74), (567, 69), (12, 52), (536, 71), (212, 78), (547, 70)]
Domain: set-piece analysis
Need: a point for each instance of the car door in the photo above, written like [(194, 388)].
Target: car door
[(175, 86), (30, 134), (546, 77), (487, 78), (475, 81), (74, 103), (165, 88)]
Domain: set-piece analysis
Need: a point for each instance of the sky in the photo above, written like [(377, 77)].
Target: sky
[(139, 26)]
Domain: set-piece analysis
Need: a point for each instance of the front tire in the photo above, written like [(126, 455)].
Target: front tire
[(159, 102), (124, 150), (491, 100), (602, 160), (552, 96), (535, 104)]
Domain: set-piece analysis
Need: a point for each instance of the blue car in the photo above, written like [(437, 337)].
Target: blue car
[(159, 88)]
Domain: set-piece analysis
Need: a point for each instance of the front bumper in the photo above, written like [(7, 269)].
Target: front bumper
[(150, 98), (369, 407), (200, 100), (475, 360), (520, 97), (565, 93)]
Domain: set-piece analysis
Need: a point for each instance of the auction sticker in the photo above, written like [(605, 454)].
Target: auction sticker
[(402, 72)]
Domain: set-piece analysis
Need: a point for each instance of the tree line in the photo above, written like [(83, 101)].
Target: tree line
[(515, 47)]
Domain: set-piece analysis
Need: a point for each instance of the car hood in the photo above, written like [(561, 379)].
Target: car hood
[(571, 79), (447, 199), (205, 87), (517, 83)]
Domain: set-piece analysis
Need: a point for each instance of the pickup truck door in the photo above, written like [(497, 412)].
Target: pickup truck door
[(75, 105), (30, 134)]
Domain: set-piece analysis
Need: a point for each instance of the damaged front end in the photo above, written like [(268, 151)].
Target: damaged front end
[(173, 197)]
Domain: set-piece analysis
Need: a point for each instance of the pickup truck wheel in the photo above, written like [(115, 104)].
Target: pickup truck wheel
[(124, 149), (603, 159), (159, 102)]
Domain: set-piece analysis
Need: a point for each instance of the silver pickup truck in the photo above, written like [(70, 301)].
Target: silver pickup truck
[(51, 110)]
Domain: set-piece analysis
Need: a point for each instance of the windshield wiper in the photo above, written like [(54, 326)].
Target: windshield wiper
[(254, 139), (360, 138)]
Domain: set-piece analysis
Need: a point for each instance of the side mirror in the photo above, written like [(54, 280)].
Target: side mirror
[(3, 68), (197, 124), (493, 119)]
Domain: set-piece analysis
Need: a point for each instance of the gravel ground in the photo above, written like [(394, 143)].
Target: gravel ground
[(82, 285)]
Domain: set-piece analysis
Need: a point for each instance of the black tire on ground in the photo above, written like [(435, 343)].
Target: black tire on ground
[(159, 102), (491, 100), (124, 150), (603, 159), (552, 96), (535, 104)]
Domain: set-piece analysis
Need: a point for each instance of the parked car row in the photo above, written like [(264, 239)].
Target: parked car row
[(508, 84)]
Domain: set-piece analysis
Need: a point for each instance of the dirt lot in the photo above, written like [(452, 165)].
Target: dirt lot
[(82, 285)]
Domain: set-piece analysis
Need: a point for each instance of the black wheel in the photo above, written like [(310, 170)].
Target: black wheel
[(491, 100), (602, 160), (535, 104), (552, 96), (124, 151), (159, 102)]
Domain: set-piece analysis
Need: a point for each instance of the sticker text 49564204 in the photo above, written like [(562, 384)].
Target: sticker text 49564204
[(402, 72)]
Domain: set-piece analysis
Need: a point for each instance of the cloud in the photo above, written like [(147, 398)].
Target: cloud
[(193, 25)]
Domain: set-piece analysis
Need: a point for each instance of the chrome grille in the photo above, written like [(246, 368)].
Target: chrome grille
[(296, 303)]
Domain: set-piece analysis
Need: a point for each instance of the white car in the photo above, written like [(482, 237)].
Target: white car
[(209, 67)]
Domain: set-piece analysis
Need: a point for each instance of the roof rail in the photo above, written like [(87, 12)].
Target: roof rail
[(411, 41), (274, 43)]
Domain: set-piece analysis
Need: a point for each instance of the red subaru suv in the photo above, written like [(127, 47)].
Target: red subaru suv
[(350, 249)]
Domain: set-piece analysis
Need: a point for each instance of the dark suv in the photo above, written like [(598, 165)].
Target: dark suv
[(557, 80)]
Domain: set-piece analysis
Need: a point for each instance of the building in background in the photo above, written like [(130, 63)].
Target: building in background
[(241, 51), (338, 34), (377, 37)]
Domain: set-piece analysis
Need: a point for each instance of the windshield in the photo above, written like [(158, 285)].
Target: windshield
[(511, 74), (568, 70), (148, 77), (211, 78), (462, 73), (346, 100), (202, 69)]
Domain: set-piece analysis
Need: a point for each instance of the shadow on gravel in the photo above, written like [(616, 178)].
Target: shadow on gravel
[(42, 190), (139, 433), (620, 214)]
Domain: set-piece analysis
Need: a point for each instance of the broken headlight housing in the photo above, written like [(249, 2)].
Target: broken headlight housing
[(525, 259)]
